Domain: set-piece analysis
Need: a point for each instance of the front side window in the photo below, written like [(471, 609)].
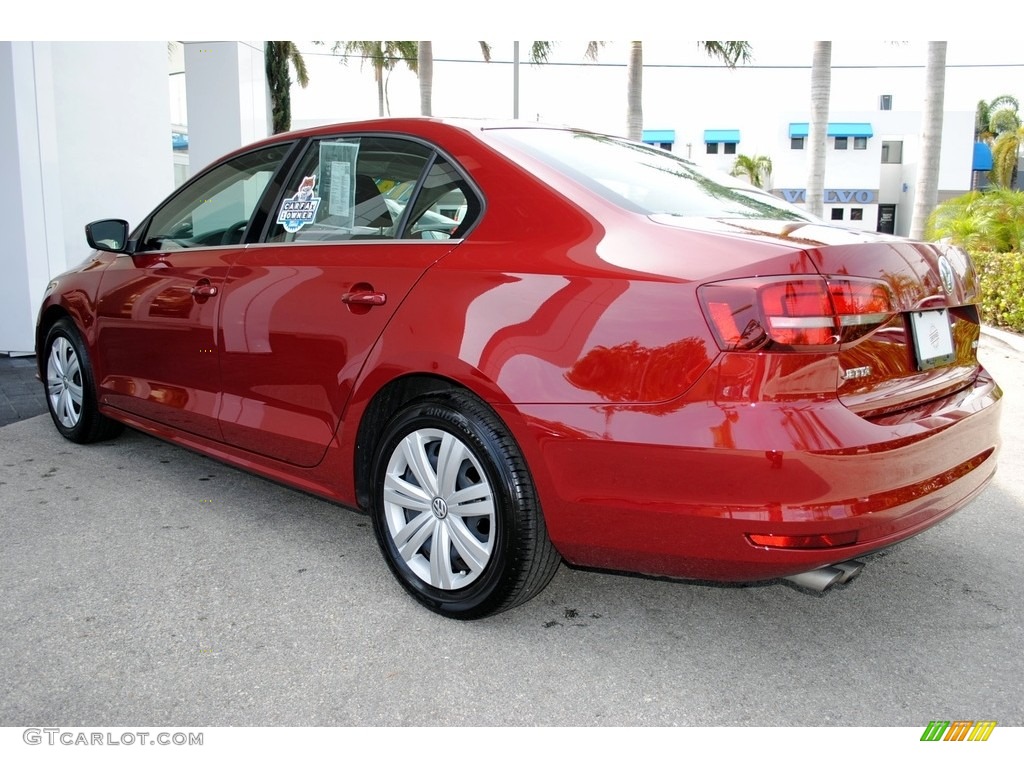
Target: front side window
[(215, 208)]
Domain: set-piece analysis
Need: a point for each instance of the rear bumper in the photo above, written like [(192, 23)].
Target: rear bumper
[(680, 493)]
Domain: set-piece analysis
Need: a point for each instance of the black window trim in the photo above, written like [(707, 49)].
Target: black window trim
[(287, 174)]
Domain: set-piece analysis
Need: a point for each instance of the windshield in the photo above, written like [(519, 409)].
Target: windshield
[(645, 179)]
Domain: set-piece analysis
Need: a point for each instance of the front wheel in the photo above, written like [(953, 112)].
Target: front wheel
[(70, 389), (455, 511)]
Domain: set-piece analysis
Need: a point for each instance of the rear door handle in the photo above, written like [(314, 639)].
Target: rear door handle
[(373, 298)]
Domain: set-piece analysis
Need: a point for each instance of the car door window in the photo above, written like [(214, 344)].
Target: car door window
[(369, 188), (215, 208)]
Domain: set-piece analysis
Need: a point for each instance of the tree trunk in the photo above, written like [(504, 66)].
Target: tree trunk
[(634, 91), (926, 191), (380, 89), (817, 133), (425, 68)]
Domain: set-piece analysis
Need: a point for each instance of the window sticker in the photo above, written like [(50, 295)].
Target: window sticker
[(337, 176), (299, 210)]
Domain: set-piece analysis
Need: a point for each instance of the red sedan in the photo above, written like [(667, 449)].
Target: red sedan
[(552, 344)]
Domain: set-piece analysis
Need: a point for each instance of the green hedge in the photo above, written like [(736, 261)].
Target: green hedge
[(1002, 288)]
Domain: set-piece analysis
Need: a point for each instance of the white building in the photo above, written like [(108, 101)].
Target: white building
[(870, 166)]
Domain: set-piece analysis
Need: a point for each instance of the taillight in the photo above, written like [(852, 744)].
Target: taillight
[(754, 313)]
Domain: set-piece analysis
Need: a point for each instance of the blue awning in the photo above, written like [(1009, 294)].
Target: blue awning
[(982, 157), (659, 137), (713, 137), (800, 130)]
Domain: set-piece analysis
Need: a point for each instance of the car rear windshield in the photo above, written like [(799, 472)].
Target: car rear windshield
[(645, 179)]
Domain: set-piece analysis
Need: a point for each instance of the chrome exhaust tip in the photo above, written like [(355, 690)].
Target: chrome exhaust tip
[(818, 580), (850, 569), (821, 579)]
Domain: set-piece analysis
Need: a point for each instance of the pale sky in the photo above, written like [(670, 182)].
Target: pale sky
[(677, 76)]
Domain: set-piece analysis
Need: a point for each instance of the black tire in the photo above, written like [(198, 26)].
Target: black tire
[(71, 389), (496, 553)]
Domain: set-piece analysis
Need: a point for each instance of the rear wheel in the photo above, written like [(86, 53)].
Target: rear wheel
[(70, 389), (455, 511)]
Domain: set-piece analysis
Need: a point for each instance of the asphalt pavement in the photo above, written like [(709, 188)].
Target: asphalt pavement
[(146, 584), (21, 394)]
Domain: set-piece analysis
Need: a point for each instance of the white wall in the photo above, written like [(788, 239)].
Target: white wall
[(84, 134), (226, 95)]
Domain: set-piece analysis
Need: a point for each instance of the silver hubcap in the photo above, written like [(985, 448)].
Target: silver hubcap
[(64, 382), (439, 508)]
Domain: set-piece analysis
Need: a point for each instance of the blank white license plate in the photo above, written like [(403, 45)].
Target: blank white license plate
[(933, 340)]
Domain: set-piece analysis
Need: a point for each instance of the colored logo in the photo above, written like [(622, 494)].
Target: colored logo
[(958, 730), (299, 210)]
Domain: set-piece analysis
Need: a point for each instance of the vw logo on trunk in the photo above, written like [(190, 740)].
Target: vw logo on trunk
[(946, 274)]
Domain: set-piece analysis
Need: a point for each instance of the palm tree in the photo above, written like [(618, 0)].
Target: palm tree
[(1005, 156), (992, 117), (817, 133), (634, 91), (281, 56), (425, 71), (384, 55), (729, 52), (757, 169), (927, 187)]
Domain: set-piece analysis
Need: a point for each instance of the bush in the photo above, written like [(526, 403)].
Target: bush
[(1001, 278)]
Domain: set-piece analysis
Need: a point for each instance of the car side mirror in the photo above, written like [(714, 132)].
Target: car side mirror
[(108, 235)]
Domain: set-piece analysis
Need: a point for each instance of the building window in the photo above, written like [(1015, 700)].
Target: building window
[(860, 142), (712, 147), (885, 102), (837, 214), (892, 152), (841, 142), (796, 142), (730, 147), (666, 145), (856, 214)]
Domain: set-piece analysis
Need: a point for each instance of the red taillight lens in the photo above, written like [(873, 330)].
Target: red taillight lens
[(793, 312)]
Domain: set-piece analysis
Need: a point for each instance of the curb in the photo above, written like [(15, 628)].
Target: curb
[(1014, 340)]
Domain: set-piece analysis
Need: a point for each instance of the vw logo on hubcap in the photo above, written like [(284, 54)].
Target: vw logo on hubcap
[(440, 508)]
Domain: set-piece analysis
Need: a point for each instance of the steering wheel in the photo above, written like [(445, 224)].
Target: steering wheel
[(233, 234)]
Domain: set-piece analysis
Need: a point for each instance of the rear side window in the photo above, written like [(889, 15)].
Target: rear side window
[(371, 188)]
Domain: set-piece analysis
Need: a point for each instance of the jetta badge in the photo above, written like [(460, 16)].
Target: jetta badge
[(946, 274)]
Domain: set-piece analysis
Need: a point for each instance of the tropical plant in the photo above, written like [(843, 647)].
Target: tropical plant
[(757, 169), (989, 225), (817, 133), (281, 57), (927, 188), (384, 56), (990, 221), (729, 52)]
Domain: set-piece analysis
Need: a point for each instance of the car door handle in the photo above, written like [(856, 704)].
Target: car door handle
[(372, 298), (204, 290)]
